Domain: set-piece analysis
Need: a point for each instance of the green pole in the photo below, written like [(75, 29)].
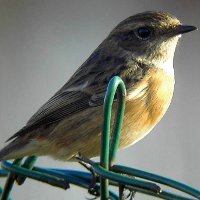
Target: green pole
[(107, 157)]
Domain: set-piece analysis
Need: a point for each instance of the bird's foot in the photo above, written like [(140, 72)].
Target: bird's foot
[(87, 163), (123, 193)]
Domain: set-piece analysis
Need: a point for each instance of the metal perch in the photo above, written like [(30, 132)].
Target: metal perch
[(106, 173)]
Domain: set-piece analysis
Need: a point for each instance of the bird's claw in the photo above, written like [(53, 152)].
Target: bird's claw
[(124, 196), (86, 163)]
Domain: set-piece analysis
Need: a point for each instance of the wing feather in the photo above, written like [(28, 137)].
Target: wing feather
[(85, 89), (58, 107)]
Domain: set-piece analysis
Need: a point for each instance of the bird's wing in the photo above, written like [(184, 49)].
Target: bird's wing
[(60, 106), (84, 90)]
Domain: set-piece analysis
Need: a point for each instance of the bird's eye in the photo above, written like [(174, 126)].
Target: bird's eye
[(143, 33)]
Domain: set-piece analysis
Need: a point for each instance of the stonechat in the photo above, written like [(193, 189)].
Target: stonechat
[(140, 50)]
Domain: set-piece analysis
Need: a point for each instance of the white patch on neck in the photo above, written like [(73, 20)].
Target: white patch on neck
[(167, 66), (166, 62)]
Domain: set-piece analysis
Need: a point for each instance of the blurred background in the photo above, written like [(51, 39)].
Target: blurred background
[(43, 42)]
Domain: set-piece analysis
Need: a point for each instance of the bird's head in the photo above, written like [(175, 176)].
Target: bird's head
[(149, 37)]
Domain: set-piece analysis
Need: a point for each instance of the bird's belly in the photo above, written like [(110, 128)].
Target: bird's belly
[(85, 136), (146, 109), (82, 132), (138, 122)]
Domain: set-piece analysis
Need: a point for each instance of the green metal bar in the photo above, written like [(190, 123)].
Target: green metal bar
[(79, 178), (46, 178), (126, 180), (163, 194), (9, 182), (28, 164), (117, 174), (140, 186), (116, 133), (113, 85), (83, 179), (159, 179)]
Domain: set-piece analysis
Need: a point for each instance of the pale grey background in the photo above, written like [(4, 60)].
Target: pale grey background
[(43, 42)]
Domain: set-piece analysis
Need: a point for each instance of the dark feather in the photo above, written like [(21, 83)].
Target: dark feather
[(86, 88), (59, 107)]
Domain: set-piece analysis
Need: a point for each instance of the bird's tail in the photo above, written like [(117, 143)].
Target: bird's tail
[(17, 149)]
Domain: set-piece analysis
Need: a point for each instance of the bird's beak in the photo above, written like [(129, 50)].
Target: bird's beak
[(185, 29)]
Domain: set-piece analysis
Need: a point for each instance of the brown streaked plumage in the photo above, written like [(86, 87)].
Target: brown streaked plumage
[(140, 50)]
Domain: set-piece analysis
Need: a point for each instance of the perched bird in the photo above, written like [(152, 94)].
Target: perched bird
[(140, 50)]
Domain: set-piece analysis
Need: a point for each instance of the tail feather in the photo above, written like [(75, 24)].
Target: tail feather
[(16, 149)]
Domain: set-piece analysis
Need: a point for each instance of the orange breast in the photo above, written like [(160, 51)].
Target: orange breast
[(82, 132), (146, 108)]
